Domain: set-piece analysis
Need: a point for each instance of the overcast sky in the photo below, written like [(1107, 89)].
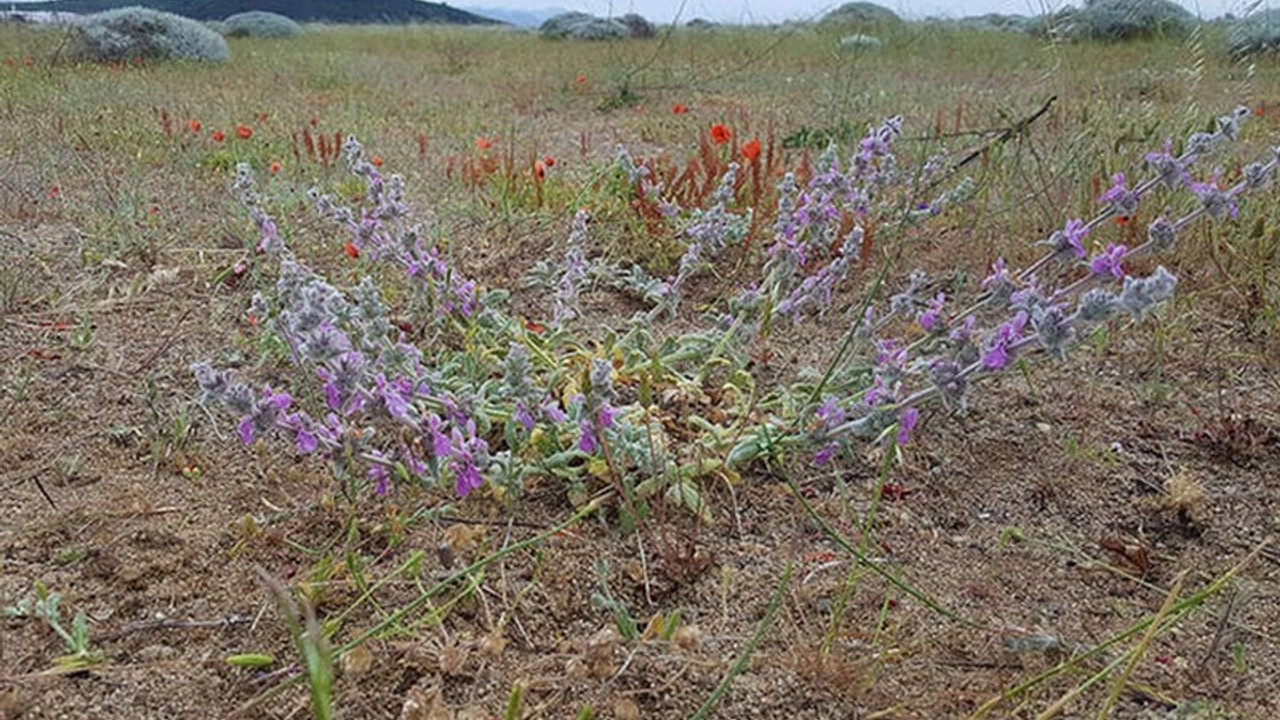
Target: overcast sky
[(776, 10)]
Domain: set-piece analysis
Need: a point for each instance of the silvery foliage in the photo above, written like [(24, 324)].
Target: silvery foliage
[(127, 33)]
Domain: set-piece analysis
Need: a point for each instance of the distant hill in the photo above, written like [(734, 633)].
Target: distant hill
[(512, 16), (337, 11)]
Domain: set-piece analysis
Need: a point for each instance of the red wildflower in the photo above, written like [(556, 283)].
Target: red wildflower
[(679, 109), (193, 126), (483, 143), (539, 170), (275, 168), (218, 136), (720, 134), (582, 80), (549, 161), (244, 132), (751, 150), (54, 192), (351, 250), (377, 161)]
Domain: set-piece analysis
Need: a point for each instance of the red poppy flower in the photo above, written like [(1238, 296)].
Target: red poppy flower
[(218, 136), (751, 150), (351, 250), (193, 126), (679, 109), (720, 134), (244, 132), (54, 192), (539, 170), (549, 161), (377, 161), (274, 169), (483, 143), (1260, 110), (582, 80)]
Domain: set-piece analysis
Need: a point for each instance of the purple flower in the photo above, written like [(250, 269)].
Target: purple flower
[(245, 430), (1069, 241), (931, 319), (1170, 171), (523, 416), (1108, 262), (1123, 201), (996, 356), (441, 447), (466, 478), (906, 424), (378, 473), (306, 441), (824, 456), (1216, 202), (394, 396), (587, 443), (830, 412)]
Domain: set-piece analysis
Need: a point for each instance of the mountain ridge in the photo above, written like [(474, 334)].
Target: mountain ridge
[(338, 11)]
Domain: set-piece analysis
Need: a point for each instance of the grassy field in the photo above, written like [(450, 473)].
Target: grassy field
[(1092, 538)]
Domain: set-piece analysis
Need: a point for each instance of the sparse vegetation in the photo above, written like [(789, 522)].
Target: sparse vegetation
[(598, 379)]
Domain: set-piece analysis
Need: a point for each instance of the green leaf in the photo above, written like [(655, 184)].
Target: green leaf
[(251, 660)]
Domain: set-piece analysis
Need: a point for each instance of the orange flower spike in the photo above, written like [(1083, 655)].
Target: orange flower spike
[(751, 150), (194, 126), (720, 134), (351, 250), (274, 169), (218, 136), (244, 132)]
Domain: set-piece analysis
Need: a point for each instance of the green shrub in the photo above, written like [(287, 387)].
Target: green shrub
[(135, 32), (862, 15), (637, 26), (259, 24), (1118, 20), (1256, 34), (581, 26)]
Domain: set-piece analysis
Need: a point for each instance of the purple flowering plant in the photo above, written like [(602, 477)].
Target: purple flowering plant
[(474, 397)]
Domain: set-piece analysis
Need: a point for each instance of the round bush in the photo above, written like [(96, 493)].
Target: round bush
[(701, 24), (259, 24), (1118, 20), (135, 32), (862, 15), (581, 26), (1259, 33), (637, 26), (558, 26)]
